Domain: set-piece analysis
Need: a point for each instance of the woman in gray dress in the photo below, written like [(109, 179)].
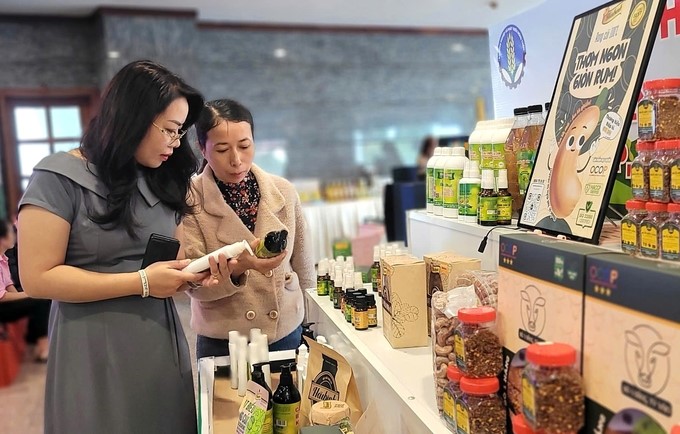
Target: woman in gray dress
[(119, 360)]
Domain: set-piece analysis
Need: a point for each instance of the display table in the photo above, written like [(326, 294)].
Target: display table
[(428, 233), (329, 221), (400, 382)]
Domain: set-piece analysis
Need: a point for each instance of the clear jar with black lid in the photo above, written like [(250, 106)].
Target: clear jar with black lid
[(552, 389)]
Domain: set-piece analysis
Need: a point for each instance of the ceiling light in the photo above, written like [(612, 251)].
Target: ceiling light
[(280, 53), (457, 47), (113, 54)]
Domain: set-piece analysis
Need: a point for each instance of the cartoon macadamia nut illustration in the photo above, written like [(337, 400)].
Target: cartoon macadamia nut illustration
[(564, 184)]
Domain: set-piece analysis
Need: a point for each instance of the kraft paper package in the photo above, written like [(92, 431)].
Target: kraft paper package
[(329, 377)]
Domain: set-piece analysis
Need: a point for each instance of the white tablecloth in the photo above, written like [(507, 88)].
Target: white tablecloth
[(327, 222)]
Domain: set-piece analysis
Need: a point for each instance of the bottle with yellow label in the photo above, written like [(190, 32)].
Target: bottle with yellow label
[(287, 402), (360, 313), (452, 394), (372, 311), (670, 234), (650, 229), (630, 226), (639, 170), (660, 172)]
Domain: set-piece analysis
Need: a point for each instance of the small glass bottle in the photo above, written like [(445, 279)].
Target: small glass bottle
[(670, 234), (338, 293), (488, 200), (360, 313), (375, 268), (552, 389), (630, 226), (452, 394), (650, 229), (504, 207), (480, 410), (372, 311), (660, 172), (477, 347), (322, 279)]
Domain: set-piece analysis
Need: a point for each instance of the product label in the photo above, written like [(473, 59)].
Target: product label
[(459, 349), (487, 160), (321, 287), (504, 208), (372, 317), (649, 240), (524, 167), (488, 209), (462, 418), (656, 180), (438, 187), (646, 119), (473, 152), (528, 400), (268, 424), (374, 278), (451, 179), (468, 199), (498, 155), (670, 243), (675, 181), (286, 418), (361, 320), (629, 236), (430, 184), (449, 409), (348, 313), (637, 179)]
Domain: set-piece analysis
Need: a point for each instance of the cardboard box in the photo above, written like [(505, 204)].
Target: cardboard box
[(540, 298), (441, 271), (404, 302), (631, 349)]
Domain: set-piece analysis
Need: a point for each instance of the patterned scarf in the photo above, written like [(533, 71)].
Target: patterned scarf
[(243, 198)]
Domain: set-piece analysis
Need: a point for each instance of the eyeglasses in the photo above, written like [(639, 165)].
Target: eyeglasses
[(172, 135)]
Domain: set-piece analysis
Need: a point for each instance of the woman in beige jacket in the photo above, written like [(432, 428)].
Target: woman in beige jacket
[(239, 201)]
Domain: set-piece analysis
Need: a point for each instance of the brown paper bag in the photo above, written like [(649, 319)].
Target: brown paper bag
[(329, 377)]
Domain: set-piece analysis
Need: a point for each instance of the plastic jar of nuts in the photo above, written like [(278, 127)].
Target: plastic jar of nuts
[(639, 170), (630, 226), (552, 389), (670, 234), (659, 110), (650, 228), (480, 410), (478, 349), (660, 170), (452, 394)]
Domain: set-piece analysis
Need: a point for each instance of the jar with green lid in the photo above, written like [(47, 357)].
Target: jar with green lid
[(553, 400), (660, 171), (480, 410), (650, 229), (451, 395), (477, 347), (670, 234), (630, 226), (639, 171), (659, 110)]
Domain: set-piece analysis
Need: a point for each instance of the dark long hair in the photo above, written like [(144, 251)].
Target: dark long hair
[(220, 110), (133, 98)]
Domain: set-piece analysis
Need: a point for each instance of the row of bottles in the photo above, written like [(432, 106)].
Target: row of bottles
[(347, 189), (507, 144), (283, 407)]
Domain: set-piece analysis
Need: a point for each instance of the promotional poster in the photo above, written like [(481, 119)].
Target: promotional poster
[(587, 126)]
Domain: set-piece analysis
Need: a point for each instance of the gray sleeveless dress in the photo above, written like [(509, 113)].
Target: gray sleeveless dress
[(120, 365)]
